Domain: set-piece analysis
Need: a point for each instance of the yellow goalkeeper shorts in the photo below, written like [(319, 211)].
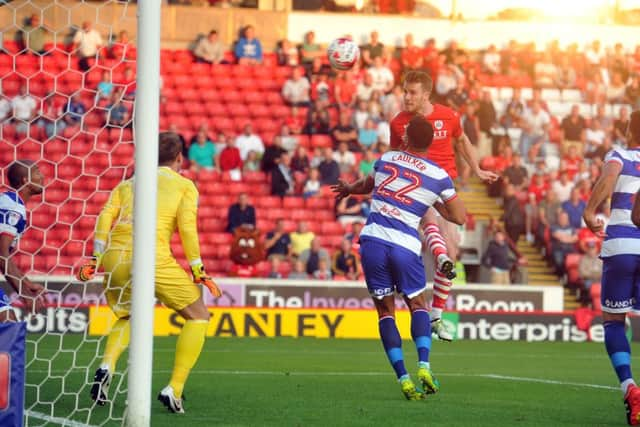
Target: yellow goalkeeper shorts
[(174, 287)]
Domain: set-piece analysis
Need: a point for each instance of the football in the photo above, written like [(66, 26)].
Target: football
[(343, 53)]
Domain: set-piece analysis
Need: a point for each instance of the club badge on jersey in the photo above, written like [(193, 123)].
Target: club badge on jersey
[(13, 216)]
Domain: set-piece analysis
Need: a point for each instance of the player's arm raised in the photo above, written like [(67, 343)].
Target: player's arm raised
[(30, 293), (110, 211), (362, 186), (188, 227), (470, 155), (601, 192)]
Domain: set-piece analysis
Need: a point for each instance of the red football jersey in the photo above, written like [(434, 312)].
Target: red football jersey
[(446, 125)]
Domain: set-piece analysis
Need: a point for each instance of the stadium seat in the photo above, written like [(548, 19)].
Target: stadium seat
[(254, 176), (222, 252), (274, 98), (188, 95), (293, 203), (268, 202), (225, 83), (239, 111), (317, 203), (571, 263), (595, 292), (261, 110), (332, 227), (321, 141), (280, 112), (266, 125)]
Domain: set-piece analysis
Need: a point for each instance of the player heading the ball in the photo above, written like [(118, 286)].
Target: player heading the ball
[(405, 186)]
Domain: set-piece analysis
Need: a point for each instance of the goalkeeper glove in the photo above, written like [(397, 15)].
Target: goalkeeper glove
[(200, 277), (88, 270)]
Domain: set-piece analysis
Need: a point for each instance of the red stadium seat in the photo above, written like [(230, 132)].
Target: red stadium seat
[(215, 108), (238, 110), (260, 110), (293, 203), (321, 141), (188, 95), (224, 83), (267, 125), (268, 202), (317, 203), (332, 227), (254, 176), (595, 292)]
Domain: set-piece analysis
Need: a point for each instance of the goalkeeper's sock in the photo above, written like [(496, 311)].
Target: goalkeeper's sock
[(392, 344), (117, 342), (619, 351), (188, 350), (421, 333)]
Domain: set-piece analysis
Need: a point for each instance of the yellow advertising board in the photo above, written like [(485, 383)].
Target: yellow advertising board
[(264, 322)]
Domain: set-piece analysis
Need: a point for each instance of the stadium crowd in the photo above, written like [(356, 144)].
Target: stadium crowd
[(544, 119)]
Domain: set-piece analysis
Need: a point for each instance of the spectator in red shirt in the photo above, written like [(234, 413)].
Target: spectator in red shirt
[(295, 121), (538, 188), (584, 188), (411, 56), (430, 61), (345, 90), (229, 159), (587, 238), (122, 48), (572, 161), (504, 158)]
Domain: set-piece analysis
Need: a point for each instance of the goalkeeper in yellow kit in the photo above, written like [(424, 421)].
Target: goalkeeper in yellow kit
[(113, 246)]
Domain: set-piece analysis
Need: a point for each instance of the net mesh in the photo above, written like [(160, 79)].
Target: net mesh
[(72, 115)]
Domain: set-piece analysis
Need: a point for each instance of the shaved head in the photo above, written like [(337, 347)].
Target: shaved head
[(18, 173), (25, 175)]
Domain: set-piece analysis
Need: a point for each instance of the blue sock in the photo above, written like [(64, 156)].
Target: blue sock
[(421, 334), (618, 349), (392, 344)]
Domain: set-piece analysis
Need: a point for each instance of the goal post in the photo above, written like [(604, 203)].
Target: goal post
[(83, 154), (146, 123)]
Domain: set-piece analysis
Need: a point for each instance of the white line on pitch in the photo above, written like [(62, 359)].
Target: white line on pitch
[(438, 353), (56, 420), (377, 374)]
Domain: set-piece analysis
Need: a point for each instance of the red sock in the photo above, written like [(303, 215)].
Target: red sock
[(435, 241), (441, 288)]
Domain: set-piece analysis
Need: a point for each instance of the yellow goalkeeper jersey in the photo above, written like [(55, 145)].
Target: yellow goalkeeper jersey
[(177, 208)]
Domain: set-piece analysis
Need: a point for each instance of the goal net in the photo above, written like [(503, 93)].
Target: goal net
[(67, 72)]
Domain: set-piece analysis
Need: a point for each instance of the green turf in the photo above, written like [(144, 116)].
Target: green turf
[(302, 382)]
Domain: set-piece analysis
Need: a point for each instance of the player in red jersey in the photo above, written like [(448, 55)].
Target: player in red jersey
[(440, 235)]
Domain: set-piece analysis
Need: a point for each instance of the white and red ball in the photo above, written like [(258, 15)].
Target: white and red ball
[(343, 53)]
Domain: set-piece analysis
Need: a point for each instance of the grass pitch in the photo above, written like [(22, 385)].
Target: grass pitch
[(303, 382)]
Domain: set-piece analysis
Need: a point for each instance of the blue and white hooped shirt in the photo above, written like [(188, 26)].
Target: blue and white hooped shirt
[(622, 236), (13, 216)]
